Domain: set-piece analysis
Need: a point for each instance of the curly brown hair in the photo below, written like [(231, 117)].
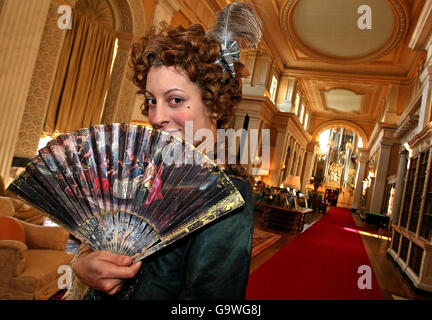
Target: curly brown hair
[(195, 53)]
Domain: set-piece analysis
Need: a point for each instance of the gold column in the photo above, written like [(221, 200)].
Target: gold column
[(361, 170), (381, 177), (254, 124), (39, 92), (256, 83), (248, 58), (121, 94), (400, 181), (277, 163), (21, 27), (311, 150), (293, 161), (285, 92)]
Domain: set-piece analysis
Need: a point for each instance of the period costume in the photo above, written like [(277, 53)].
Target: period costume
[(212, 263)]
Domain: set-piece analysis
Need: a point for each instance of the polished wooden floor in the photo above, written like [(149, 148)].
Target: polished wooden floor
[(393, 283)]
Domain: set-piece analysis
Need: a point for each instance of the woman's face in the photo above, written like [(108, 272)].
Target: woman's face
[(173, 99)]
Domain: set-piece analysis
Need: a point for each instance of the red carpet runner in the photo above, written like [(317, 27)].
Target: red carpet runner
[(320, 264)]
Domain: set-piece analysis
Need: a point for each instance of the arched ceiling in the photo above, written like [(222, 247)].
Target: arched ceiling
[(346, 70)]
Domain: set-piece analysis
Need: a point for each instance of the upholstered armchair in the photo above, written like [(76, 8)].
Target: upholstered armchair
[(30, 256), (12, 207)]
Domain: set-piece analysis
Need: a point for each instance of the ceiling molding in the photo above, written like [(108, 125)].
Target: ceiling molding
[(328, 108), (373, 97), (348, 117), (340, 76), (423, 28), (422, 137), (401, 20)]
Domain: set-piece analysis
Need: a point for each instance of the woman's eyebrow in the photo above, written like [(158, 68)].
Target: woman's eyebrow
[(173, 89), (167, 92)]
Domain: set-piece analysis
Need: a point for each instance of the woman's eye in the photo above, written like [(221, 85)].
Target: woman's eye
[(176, 100), (150, 101)]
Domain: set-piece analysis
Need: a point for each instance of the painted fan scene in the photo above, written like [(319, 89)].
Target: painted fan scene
[(119, 187), (215, 150)]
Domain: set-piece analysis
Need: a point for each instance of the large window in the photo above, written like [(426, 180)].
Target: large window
[(273, 89), (296, 103), (306, 121), (302, 110)]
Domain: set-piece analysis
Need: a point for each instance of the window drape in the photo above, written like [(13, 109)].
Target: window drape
[(82, 78)]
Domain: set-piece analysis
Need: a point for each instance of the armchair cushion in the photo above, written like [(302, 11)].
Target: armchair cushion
[(11, 229), (16, 208), (44, 237), (27, 213)]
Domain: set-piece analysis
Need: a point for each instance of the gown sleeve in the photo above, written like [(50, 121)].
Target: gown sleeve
[(213, 264)]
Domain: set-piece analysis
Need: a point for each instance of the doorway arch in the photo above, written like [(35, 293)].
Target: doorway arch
[(341, 124)]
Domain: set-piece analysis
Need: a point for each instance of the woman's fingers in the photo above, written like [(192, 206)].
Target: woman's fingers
[(105, 271), (112, 271), (112, 286), (117, 259)]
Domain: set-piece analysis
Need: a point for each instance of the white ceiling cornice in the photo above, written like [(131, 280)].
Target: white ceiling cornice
[(339, 76), (423, 28)]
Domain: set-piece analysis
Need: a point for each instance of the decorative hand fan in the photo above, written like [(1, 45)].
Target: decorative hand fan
[(128, 189)]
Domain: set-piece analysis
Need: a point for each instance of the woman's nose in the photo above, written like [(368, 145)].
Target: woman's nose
[(159, 117)]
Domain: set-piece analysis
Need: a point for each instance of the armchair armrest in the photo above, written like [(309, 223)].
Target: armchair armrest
[(43, 237), (13, 256), (7, 208)]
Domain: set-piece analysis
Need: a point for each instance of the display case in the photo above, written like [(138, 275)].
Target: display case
[(411, 245)]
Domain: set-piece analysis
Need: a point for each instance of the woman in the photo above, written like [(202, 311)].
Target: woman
[(186, 75)]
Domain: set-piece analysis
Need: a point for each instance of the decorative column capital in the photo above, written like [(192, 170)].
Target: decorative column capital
[(363, 155), (312, 146), (403, 152), (386, 145), (281, 130), (164, 11)]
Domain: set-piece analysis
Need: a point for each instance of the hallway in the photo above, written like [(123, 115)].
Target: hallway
[(393, 283)]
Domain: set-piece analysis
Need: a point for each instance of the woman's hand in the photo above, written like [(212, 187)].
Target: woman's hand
[(105, 271)]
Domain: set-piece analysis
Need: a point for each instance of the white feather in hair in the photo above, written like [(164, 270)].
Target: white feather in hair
[(236, 26)]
